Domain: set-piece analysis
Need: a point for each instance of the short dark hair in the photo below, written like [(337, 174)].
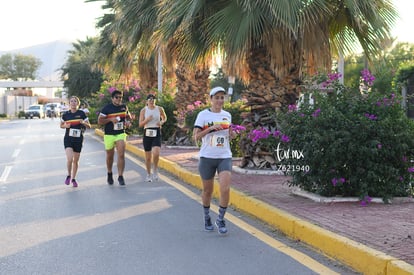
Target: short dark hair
[(115, 93)]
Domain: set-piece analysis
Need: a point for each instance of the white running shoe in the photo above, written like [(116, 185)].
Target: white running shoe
[(155, 177), (148, 178)]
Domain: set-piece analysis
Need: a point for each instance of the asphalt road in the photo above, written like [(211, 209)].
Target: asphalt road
[(47, 227)]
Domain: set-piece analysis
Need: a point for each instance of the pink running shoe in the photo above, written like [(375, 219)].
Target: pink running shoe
[(67, 181), (74, 183)]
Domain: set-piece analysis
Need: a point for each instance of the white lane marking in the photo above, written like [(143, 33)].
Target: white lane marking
[(5, 173), (16, 153)]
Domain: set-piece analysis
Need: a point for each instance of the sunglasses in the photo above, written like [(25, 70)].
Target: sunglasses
[(118, 97), (219, 97)]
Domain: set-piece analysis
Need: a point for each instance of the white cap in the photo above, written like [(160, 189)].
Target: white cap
[(216, 90)]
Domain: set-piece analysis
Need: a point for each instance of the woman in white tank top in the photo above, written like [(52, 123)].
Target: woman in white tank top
[(151, 118)]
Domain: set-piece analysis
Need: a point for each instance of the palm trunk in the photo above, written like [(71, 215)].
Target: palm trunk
[(266, 93), (148, 75), (192, 86)]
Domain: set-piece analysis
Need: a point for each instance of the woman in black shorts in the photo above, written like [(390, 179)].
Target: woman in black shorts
[(152, 117), (74, 121)]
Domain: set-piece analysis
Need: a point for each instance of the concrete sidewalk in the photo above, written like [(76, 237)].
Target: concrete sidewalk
[(373, 239)]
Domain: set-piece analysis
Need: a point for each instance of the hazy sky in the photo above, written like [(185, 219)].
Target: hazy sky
[(404, 27), (30, 22)]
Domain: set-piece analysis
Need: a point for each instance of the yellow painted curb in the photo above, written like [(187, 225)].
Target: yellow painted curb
[(356, 255)]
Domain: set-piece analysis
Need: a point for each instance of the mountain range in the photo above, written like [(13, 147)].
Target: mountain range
[(53, 56)]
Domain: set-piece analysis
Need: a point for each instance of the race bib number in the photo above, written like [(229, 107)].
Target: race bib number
[(218, 141), (150, 132), (119, 126), (74, 132)]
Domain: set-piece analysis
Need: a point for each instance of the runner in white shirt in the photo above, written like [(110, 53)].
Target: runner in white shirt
[(212, 127)]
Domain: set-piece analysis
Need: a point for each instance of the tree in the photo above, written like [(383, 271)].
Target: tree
[(268, 44), (384, 66), (79, 75), (19, 66), (354, 64), (130, 38), (271, 43), (123, 44)]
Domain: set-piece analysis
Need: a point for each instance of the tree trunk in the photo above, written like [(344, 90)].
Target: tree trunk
[(148, 75), (192, 85), (266, 93)]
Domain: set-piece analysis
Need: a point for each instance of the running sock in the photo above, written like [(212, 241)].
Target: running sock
[(222, 212), (206, 211)]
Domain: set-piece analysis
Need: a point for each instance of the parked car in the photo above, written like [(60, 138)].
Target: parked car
[(34, 111)]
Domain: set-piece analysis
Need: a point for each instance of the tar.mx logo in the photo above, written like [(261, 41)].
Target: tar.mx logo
[(288, 153)]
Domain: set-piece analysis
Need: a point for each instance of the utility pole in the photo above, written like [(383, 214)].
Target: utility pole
[(159, 73)]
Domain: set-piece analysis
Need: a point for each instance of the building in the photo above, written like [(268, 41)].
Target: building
[(16, 96)]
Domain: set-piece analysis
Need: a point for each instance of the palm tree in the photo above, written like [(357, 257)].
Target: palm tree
[(129, 38), (80, 76), (124, 44), (270, 44)]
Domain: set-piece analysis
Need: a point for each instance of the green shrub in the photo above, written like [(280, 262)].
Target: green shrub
[(353, 144), (93, 115), (167, 102)]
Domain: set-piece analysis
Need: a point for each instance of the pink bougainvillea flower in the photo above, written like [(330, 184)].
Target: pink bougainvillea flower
[(370, 116), (285, 138), (276, 133), (317, 112), (237, 128), (198, 103), (292, 108)]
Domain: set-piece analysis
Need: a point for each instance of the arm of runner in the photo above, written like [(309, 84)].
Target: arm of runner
[(163, 116), (142, 119), (103, 119), (85, 122)]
